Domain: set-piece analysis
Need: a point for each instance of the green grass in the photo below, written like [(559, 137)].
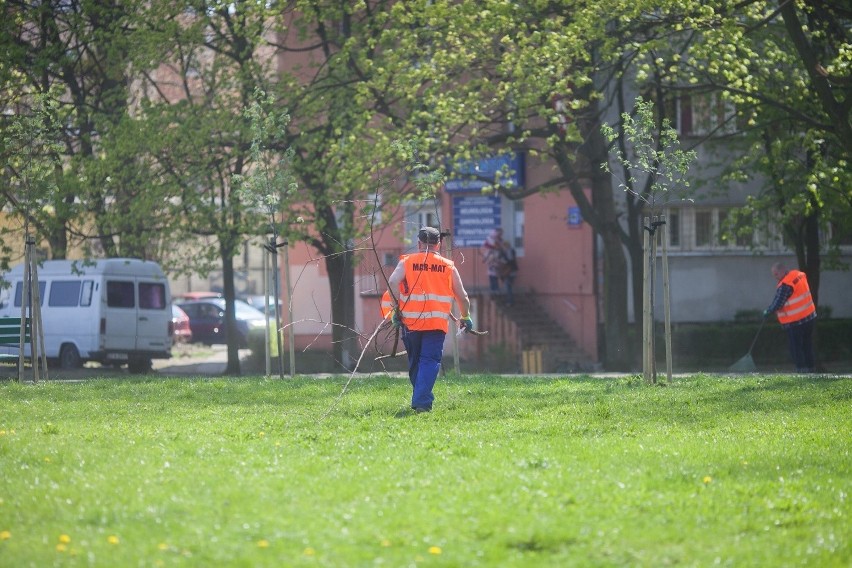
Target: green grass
[(506, 471)]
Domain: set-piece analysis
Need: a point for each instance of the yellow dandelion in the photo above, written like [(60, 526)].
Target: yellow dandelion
[(61, 547), (112, 539), (309, 551), (64, 538), (386, 543), (707, 479), (5, 535), (263, 543), (434, 550), (163, 546), (261, 434), (2, 432)]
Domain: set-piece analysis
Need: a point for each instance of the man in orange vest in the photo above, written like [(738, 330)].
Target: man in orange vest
[(426, 284), (796, 312)]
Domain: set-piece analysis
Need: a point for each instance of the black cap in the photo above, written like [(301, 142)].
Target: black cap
[(429, 235)]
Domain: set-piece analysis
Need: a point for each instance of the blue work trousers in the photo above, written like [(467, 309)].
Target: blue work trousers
[(800, 338), (425, 350)]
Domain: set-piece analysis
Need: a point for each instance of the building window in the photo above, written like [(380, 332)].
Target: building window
[(703, 228), (418, 215), (705, 114), (734, 231), (706, 229), (673, 228), (841, 236), (518, 229)]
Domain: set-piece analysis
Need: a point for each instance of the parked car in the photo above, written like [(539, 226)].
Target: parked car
[(181, 330), (196, 296), (259, 301), (207, 320)]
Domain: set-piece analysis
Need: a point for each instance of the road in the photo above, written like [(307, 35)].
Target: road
[(186, 360)]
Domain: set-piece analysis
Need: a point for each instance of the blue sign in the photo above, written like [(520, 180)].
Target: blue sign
[(474, 217), (575, 218), (505, 170)]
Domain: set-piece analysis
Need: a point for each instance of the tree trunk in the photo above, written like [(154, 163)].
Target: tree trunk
[(637, 262), (601, 213), (233, 366), (615, 280), (813, 261), (341, 279)]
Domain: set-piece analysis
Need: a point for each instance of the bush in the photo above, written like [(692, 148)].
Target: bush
[(715, 346)]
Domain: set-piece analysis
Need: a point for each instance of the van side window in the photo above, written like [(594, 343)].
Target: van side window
[(86, 293), (64, 294), (19, 289), (152, 296), (120, 294)]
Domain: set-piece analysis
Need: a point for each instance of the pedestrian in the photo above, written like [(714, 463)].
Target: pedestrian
[(426, 284), (508, 270), (796, 312), (491, 256)]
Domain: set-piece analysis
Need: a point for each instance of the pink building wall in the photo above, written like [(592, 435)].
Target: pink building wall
[(557, 266)]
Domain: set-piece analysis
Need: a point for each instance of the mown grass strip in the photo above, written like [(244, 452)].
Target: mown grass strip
[(508, 471)]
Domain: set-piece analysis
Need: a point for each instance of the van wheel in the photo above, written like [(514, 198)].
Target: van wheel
[(139, 366), (69, 357)]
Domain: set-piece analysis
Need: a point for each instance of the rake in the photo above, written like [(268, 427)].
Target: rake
[(745, 364)]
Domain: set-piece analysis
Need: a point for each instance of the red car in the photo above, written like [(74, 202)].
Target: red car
[(181, 332)]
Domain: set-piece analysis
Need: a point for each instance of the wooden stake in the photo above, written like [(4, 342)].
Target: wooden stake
[(667, 300), (291, 330), (646, 304), (652, 261)]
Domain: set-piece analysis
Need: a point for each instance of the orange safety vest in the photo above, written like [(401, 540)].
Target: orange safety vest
[(426, 296), (800, 304)]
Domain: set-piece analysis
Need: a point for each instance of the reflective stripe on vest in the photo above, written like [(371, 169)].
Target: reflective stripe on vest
[(800, 304), (430, 292), (387, 304)]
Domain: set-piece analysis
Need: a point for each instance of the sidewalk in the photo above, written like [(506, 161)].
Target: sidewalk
[(195, 360)]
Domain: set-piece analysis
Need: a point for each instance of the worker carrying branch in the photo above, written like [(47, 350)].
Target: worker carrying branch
[(423, 286)]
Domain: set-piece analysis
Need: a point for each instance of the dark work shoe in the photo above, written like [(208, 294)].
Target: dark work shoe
[(419, 410)]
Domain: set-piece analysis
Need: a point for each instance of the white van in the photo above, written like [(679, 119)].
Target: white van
[(114, 311)]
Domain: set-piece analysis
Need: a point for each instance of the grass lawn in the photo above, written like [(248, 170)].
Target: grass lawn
[(506, 471)]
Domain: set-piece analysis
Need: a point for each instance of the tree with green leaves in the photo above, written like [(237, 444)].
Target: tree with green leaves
[(86, 53), (344, 132), (778, 79), (31, 151), (493, 76), (498, 75), (654, 154), (214, 58)]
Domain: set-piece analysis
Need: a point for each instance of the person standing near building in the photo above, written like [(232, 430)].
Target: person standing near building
[(796, 312), (491, 256), (426, 284), (508, 270)]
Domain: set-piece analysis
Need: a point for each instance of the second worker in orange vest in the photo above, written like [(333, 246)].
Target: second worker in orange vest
[(425, 284), (794, 306)]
